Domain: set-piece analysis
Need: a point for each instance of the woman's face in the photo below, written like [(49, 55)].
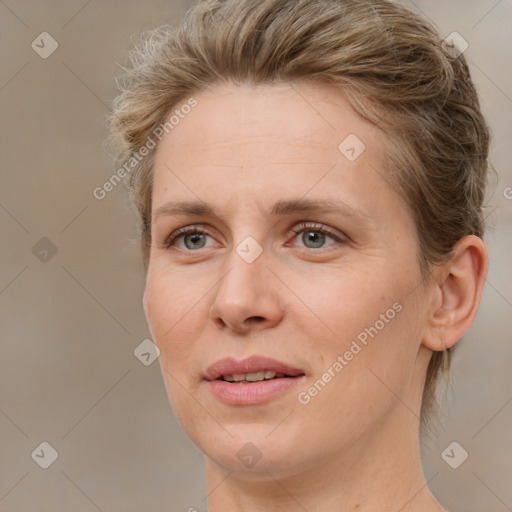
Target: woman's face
[(265, 271)]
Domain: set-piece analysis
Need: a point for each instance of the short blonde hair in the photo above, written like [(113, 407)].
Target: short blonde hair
[(390, 64)]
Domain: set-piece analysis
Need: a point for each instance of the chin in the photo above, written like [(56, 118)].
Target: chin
[(251, 452), (277, 465)]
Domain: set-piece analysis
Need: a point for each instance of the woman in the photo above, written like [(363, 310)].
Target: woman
[(309, 177)]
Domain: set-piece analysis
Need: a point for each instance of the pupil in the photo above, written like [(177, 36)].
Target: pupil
[(194, 237), (313, 236)]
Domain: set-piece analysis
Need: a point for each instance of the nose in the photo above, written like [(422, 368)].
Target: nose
[(246, 298)]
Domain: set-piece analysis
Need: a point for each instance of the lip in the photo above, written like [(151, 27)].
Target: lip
[(230, 366), (252, 393)]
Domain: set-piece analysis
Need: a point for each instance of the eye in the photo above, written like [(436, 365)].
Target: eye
[(193, 238), (314, 235)]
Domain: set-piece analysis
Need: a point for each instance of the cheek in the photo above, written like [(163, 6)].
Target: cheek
[(172, 319), (370, 344), (348, 300), (172, 314), (365, 382)]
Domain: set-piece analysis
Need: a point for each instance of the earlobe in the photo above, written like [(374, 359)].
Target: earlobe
[(458, 292)]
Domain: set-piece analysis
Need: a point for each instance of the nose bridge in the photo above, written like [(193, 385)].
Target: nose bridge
[(243, 294), (241, 285)]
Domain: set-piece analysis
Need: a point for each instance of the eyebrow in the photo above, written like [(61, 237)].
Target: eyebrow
[(279, 209)]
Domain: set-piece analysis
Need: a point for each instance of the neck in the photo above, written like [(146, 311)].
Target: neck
[(381, 470)]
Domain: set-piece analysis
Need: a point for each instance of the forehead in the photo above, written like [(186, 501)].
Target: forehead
[(232, 122), (269, 142)]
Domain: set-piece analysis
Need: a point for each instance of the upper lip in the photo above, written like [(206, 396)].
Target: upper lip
[(230, 366)]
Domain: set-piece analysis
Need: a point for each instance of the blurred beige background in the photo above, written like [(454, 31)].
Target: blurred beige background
[(71, 319)]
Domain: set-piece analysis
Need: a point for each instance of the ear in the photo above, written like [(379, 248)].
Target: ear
[(458, 286)]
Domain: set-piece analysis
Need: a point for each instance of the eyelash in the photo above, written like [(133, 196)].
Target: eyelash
[(304, 226)]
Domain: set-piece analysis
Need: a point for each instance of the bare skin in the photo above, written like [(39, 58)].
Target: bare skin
[(354, 446)]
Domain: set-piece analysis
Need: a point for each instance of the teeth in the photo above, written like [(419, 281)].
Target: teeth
[(252, 377)]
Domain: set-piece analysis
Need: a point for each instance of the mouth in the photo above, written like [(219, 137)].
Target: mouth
[(251, 369), (252, 381), (241, 378)]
